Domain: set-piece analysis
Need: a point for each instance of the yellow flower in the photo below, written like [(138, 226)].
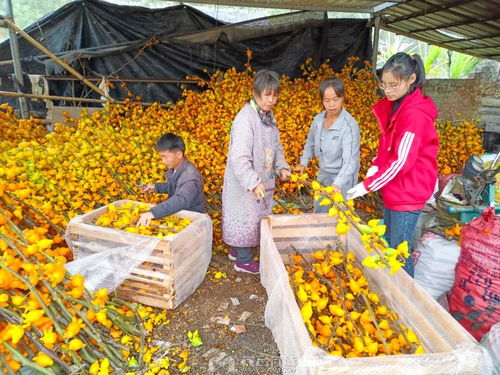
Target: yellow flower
[(333, 211), (403, 249), (43, 360), (325, 202), (306, 311), (14, 333), (32, 316), (94, 368), (342, 228), (73, 328), (338, 198), (76, 344), (49, 338), (372, 261), (316, 185)]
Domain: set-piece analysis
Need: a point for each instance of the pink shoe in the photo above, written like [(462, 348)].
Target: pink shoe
[(252, 267), (232, 255)]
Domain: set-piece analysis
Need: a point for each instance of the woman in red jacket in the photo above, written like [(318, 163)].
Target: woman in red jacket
[(405, 169)]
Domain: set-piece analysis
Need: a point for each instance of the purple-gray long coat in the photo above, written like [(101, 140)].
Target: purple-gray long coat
[(255, 156)]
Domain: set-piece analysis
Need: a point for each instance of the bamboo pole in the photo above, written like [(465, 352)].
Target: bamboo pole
[(56, 59), (73, 99)]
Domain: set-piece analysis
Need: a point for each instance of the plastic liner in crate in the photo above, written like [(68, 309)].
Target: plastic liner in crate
[(152, 271), (449, 348)]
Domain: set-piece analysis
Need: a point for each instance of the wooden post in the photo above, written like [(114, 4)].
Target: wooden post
[(56, 59)]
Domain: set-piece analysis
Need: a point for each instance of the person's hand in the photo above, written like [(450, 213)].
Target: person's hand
[(357, 191), (371, 171), (336, 189), (284, 174), (259, 191), (149, 188), (300, 169), (145, 219)]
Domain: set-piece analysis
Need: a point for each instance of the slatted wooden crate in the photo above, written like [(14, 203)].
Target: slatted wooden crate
[(449, 348), (172, 272)]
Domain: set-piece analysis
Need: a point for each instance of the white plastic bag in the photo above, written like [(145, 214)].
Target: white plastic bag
[(435, 260), (491, 345)]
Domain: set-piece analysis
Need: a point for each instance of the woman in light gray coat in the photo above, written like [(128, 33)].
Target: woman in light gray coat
[(255, 158), (334, 140)]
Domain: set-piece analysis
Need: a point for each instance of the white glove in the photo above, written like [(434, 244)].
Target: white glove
[(371, 171), (356, 192)]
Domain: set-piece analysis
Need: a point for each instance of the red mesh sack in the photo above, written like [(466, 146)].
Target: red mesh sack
[(474, 299)]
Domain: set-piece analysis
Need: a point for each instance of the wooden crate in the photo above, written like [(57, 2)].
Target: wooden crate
[(170, 274), (449, 348)]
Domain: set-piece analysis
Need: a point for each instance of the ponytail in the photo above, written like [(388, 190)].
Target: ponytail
[(402, 66), (419, 71)]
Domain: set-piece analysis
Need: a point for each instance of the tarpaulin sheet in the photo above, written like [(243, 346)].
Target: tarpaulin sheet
[(102, 39)]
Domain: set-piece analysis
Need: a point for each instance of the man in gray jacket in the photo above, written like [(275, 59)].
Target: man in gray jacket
[(183, 185)]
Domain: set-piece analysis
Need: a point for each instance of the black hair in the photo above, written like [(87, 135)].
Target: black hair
[(336, 83), (170, 142), (402, 66), (266, 80)]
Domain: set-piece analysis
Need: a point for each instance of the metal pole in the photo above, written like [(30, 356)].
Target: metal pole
[(18, 71), (376, 33)]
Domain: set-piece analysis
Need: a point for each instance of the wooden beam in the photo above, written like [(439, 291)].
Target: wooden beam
[(430, 41), (456, 24), (471, 38), (56, 59), (433, 9), (125, 79), (294, 5), (73, 99)]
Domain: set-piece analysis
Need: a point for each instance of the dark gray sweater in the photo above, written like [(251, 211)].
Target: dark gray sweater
[(185, 191)]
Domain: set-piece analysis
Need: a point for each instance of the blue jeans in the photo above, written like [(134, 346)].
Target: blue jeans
[(400, 227), (243, 254)]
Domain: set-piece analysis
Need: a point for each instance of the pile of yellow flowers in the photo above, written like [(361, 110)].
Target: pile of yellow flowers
[(126, 216), (47, 179), (342, 314), (371, 233), (49, 322), (456, 143)]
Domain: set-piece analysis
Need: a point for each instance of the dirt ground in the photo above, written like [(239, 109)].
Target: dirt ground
[(216, 307)]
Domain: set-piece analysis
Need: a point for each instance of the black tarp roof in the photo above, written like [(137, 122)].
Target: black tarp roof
[(102, 39)]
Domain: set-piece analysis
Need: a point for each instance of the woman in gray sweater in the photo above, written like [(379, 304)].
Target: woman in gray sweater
[(334, 140)]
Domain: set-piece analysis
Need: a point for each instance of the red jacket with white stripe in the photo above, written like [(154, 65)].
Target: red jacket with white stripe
[(407, 153)]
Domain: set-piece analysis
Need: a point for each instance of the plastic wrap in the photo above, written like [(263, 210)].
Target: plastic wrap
[(155, 272), (450, 349), (106, 264), (191, 251)]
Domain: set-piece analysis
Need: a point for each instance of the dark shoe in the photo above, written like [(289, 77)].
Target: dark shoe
[(252, 267), (232, 255)]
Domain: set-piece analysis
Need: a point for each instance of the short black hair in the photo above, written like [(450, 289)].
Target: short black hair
[(335, 83), (266, 80), (170, 142)]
